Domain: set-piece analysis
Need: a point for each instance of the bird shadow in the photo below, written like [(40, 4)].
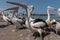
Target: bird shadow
[(36, 35), (53, 30), (58, 33), (3, 26), (17, 29), (46, 33), (22, 28)]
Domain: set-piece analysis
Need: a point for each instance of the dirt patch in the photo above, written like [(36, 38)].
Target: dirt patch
[(6, 33)]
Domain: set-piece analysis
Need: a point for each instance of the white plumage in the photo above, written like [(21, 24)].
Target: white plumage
[(6, 19), (37, 25), (56, 23)]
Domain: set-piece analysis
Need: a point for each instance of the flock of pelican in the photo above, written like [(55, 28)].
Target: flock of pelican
[(35, 25)]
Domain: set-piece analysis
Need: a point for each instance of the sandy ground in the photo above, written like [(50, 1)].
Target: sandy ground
[(6, 33)]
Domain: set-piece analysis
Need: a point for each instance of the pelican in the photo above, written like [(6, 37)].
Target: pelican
[(49, 8), (56, 25), (10, 15), (12, 11), (13, 18), (35, 24), (25, 7), (6, 19), (58, 11), (48, 16), (16, 21)]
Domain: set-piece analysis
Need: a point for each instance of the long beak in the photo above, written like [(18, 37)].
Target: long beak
[(19, 4), (13, 8)]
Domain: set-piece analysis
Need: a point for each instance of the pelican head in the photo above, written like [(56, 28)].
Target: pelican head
[(2, 14), (59, 11), (31, 7), (29, 10), (53, 22)]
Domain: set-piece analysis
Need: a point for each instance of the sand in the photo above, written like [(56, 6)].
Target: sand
[(6, 33)]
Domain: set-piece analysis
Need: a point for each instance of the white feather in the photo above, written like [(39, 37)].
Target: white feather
[(38, 24)]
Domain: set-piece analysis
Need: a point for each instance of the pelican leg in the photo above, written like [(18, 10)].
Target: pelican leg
[(16, 29), (56, 32), (7, 23), (40, 32), (18, 26)]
